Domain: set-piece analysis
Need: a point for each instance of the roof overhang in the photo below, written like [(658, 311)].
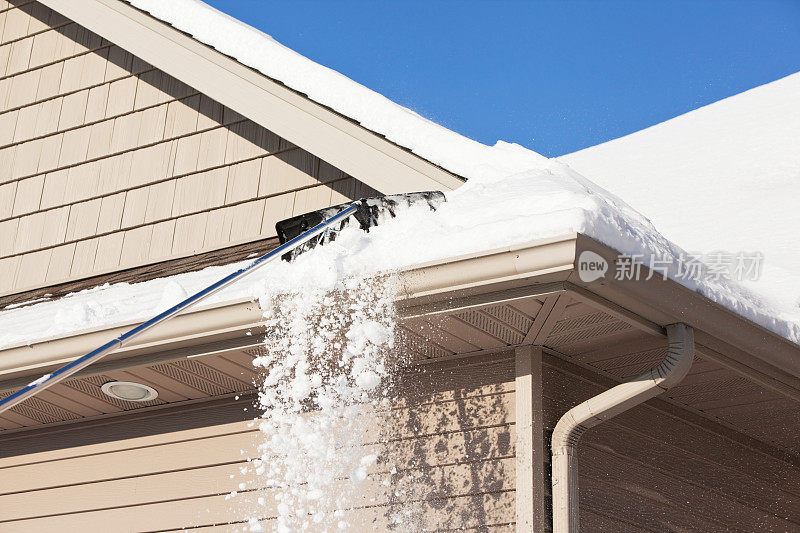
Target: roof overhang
[(544, 269), (291, 115), (549, 266)]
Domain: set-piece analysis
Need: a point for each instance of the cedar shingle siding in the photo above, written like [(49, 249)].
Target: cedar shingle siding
[(107, 163)]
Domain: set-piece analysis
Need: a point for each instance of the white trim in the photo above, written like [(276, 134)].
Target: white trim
[(543, 267)]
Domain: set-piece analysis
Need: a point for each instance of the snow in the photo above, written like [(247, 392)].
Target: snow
[(535, 204), (513, 196), (327, 352), (39, 381), (29, 302), (258, 50), (692, 176), (723, 177)]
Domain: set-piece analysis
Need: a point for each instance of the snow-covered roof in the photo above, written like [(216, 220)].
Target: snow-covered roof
[(251, 47), (513, 196), (725, 177)]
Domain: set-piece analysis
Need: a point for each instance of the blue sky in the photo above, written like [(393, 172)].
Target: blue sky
[(553, 76)]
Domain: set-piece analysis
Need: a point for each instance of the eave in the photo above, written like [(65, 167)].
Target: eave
[(548, 266), (542, 269)]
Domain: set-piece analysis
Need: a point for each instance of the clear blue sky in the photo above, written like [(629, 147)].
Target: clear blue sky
[(553, 76)]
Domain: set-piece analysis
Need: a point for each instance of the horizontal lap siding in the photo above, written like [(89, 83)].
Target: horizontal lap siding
[(646, 470), (447, 444), (108, 163)]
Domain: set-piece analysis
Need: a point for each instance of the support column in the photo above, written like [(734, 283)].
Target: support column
[(530, 489)]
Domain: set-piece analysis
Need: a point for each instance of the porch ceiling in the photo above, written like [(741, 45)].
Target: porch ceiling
[(178, 381)]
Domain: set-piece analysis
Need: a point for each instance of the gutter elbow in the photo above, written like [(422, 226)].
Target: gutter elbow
[(569, 430), (679, 359), (670, 371), (570, 427)]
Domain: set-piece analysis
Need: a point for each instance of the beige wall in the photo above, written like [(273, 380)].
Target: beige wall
[(143, 474), (451, 441), (107, 163), (662, 470)]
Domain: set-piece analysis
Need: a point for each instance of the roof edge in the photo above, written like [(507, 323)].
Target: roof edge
[(537, 268), (357, 151)]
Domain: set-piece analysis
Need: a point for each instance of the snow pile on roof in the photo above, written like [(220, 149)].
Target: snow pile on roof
[(722, 177), (375, 112), (536, 204)]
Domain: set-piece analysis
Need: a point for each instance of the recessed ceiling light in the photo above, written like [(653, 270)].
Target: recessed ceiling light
[(129, 391)]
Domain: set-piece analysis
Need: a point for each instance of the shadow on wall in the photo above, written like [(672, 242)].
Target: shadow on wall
[(451, 447)]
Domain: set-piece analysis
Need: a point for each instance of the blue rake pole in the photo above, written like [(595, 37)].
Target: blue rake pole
[(67, 370)]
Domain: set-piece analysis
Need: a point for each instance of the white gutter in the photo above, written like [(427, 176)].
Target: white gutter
[(609, 404), (474, 279), (422, 285)]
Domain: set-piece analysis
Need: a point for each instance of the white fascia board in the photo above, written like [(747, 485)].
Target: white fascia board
[(536, 268), (485, 276)]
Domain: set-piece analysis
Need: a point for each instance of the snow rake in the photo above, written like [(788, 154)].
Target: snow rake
[(296, 235)]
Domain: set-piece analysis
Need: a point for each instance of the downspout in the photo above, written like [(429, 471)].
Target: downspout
[(609, 404)]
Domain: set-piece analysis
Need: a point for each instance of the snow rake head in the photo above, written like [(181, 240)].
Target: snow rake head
[(370, 212)]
